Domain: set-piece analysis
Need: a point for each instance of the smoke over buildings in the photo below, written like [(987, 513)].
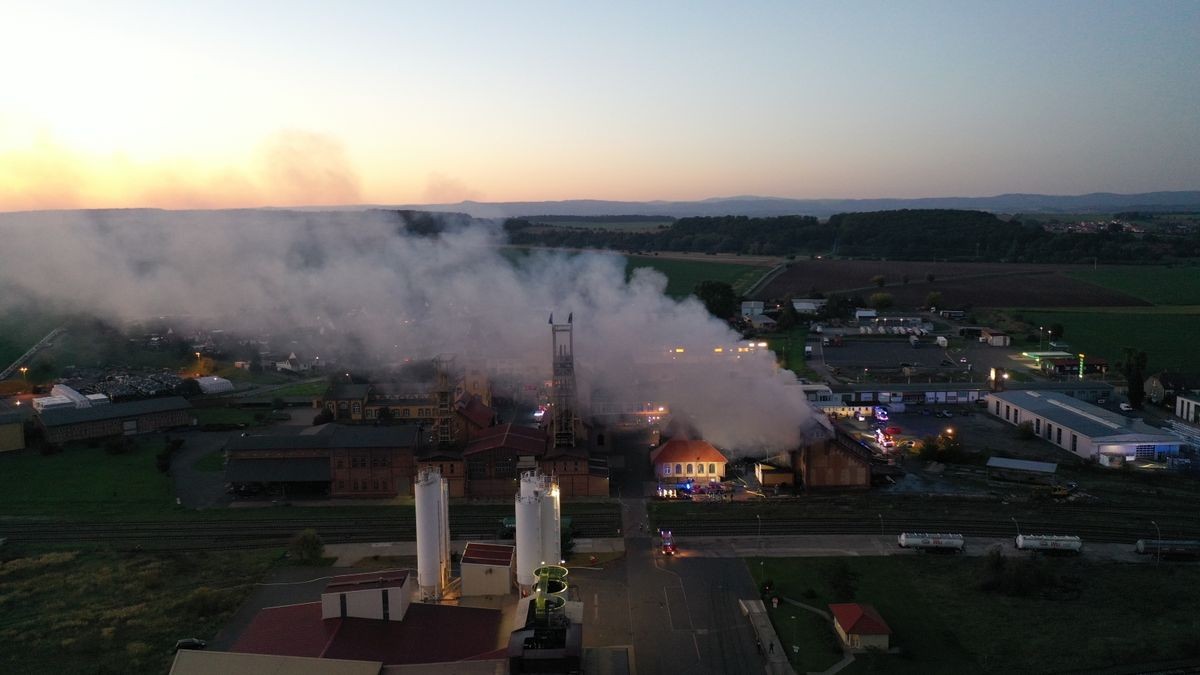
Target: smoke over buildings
[(364, 279)]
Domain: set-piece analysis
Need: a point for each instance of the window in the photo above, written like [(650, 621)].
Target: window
[(505, 467), (404, 412), (666, 469), (1074, 443), (1058, 436), (699, 468), (712, 468), (689, 471), (356, 408), (476, 468), (1007, 411), (679, 469), (997, 408), (1037, 425)]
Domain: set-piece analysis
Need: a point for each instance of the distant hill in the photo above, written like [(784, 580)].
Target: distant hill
[(1099, 202)]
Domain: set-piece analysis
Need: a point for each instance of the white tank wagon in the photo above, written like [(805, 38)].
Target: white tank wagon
[(928, 541), (1049, 543), (1168, 548), (432, 498)]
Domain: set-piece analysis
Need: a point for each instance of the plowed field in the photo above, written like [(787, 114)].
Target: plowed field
[(961, 284)]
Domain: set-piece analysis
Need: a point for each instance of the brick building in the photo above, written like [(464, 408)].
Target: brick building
[(116, 419), (837, 462), (334, 459), (497, 456)]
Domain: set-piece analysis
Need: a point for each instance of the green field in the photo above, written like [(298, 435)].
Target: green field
[(945, 623), (108, 612), (1167, 339), (684, 275), (1159, 285), (83, 481)]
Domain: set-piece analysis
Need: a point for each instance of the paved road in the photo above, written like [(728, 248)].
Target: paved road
[(680, 614), (199, 489)]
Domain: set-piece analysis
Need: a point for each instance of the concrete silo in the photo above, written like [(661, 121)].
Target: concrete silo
[(433, 533)]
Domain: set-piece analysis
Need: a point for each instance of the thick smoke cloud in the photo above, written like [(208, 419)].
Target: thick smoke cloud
[(365, 281)]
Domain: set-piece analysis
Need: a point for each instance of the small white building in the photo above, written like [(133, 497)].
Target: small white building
[(752, 307), (374, 595), (214, 385), (994, 338), (808, 305), (293, 364), (762, 322), (1089, 431), (488, 569), (52, 403), (861, 315), (1187, 408)]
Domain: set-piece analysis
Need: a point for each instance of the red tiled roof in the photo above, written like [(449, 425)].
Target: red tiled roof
[(520, 440), (475, 412), (367, 580), (678, 450), (487, 554), (298, 630), (856, 619)]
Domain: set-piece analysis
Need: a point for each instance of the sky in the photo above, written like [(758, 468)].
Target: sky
[(230, 104)]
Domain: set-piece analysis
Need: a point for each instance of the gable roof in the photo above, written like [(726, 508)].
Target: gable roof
[(61, 416), (680, 450), (487, 554), (521, 440), (858, 619), (474, 411)]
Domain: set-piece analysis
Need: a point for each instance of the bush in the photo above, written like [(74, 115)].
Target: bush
[(307, 546), (1025, 431)]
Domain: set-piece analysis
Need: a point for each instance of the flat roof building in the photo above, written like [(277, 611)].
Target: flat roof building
[(1086, 430)]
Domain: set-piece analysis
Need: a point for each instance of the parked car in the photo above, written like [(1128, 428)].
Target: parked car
[(190, 643), (1125, 407)]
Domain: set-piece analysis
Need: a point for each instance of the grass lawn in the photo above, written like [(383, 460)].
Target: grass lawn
[(83, 481), (213, 462), (1160, 285), (1164, 337), (107, 612), (684, 275), (225, 416), (945, 623), (242, 375), (302, 389)]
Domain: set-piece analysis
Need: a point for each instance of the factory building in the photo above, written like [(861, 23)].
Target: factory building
[(1187, 408), (839, 462), (1086, 430), (116, 419), (332, 459), (488, 569), (214, 385)]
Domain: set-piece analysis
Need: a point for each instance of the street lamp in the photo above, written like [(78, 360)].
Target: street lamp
[(1014, 519), (24, 369)]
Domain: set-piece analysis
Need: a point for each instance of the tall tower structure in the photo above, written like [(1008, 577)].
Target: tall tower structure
[(563, 341), (443, 385)]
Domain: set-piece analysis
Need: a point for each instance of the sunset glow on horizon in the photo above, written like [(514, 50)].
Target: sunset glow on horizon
[(232, 104)]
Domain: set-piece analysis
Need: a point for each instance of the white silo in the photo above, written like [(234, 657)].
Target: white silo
[(529, 530), (551, 527), (433, 533)]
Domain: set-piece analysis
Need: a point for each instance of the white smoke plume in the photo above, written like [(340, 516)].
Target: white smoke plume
[(400, 295)]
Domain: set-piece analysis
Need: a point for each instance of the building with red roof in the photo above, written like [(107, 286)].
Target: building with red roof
[(488, 569), (860, 626), (679, 460), (497, 456)]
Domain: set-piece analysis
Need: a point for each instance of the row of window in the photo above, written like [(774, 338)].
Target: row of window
[(699, 469), (362, 461), (364, 486), (1056, 435)]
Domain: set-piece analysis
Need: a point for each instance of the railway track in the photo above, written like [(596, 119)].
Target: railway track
[(201, 535)]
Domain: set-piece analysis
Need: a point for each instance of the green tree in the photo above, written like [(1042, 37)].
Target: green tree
[(933, 299), (879, 280), (881, 301), (1056, 330), (1133, 367), (788, 318), (718, 297), (307, 546)]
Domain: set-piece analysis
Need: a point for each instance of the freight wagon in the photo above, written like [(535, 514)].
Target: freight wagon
[(930, 541)]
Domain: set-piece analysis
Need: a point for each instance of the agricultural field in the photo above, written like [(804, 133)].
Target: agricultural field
[(944, 620), (684, 275), (1158, 285), (1166, 337), (67, 611), (961, 284)]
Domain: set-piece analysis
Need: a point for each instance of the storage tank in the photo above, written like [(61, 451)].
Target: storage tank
[(529, 540), (433, 533), (551, 524), (1049, 542)]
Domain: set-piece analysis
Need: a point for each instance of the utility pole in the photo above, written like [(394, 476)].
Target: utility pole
[(1158, 552)]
